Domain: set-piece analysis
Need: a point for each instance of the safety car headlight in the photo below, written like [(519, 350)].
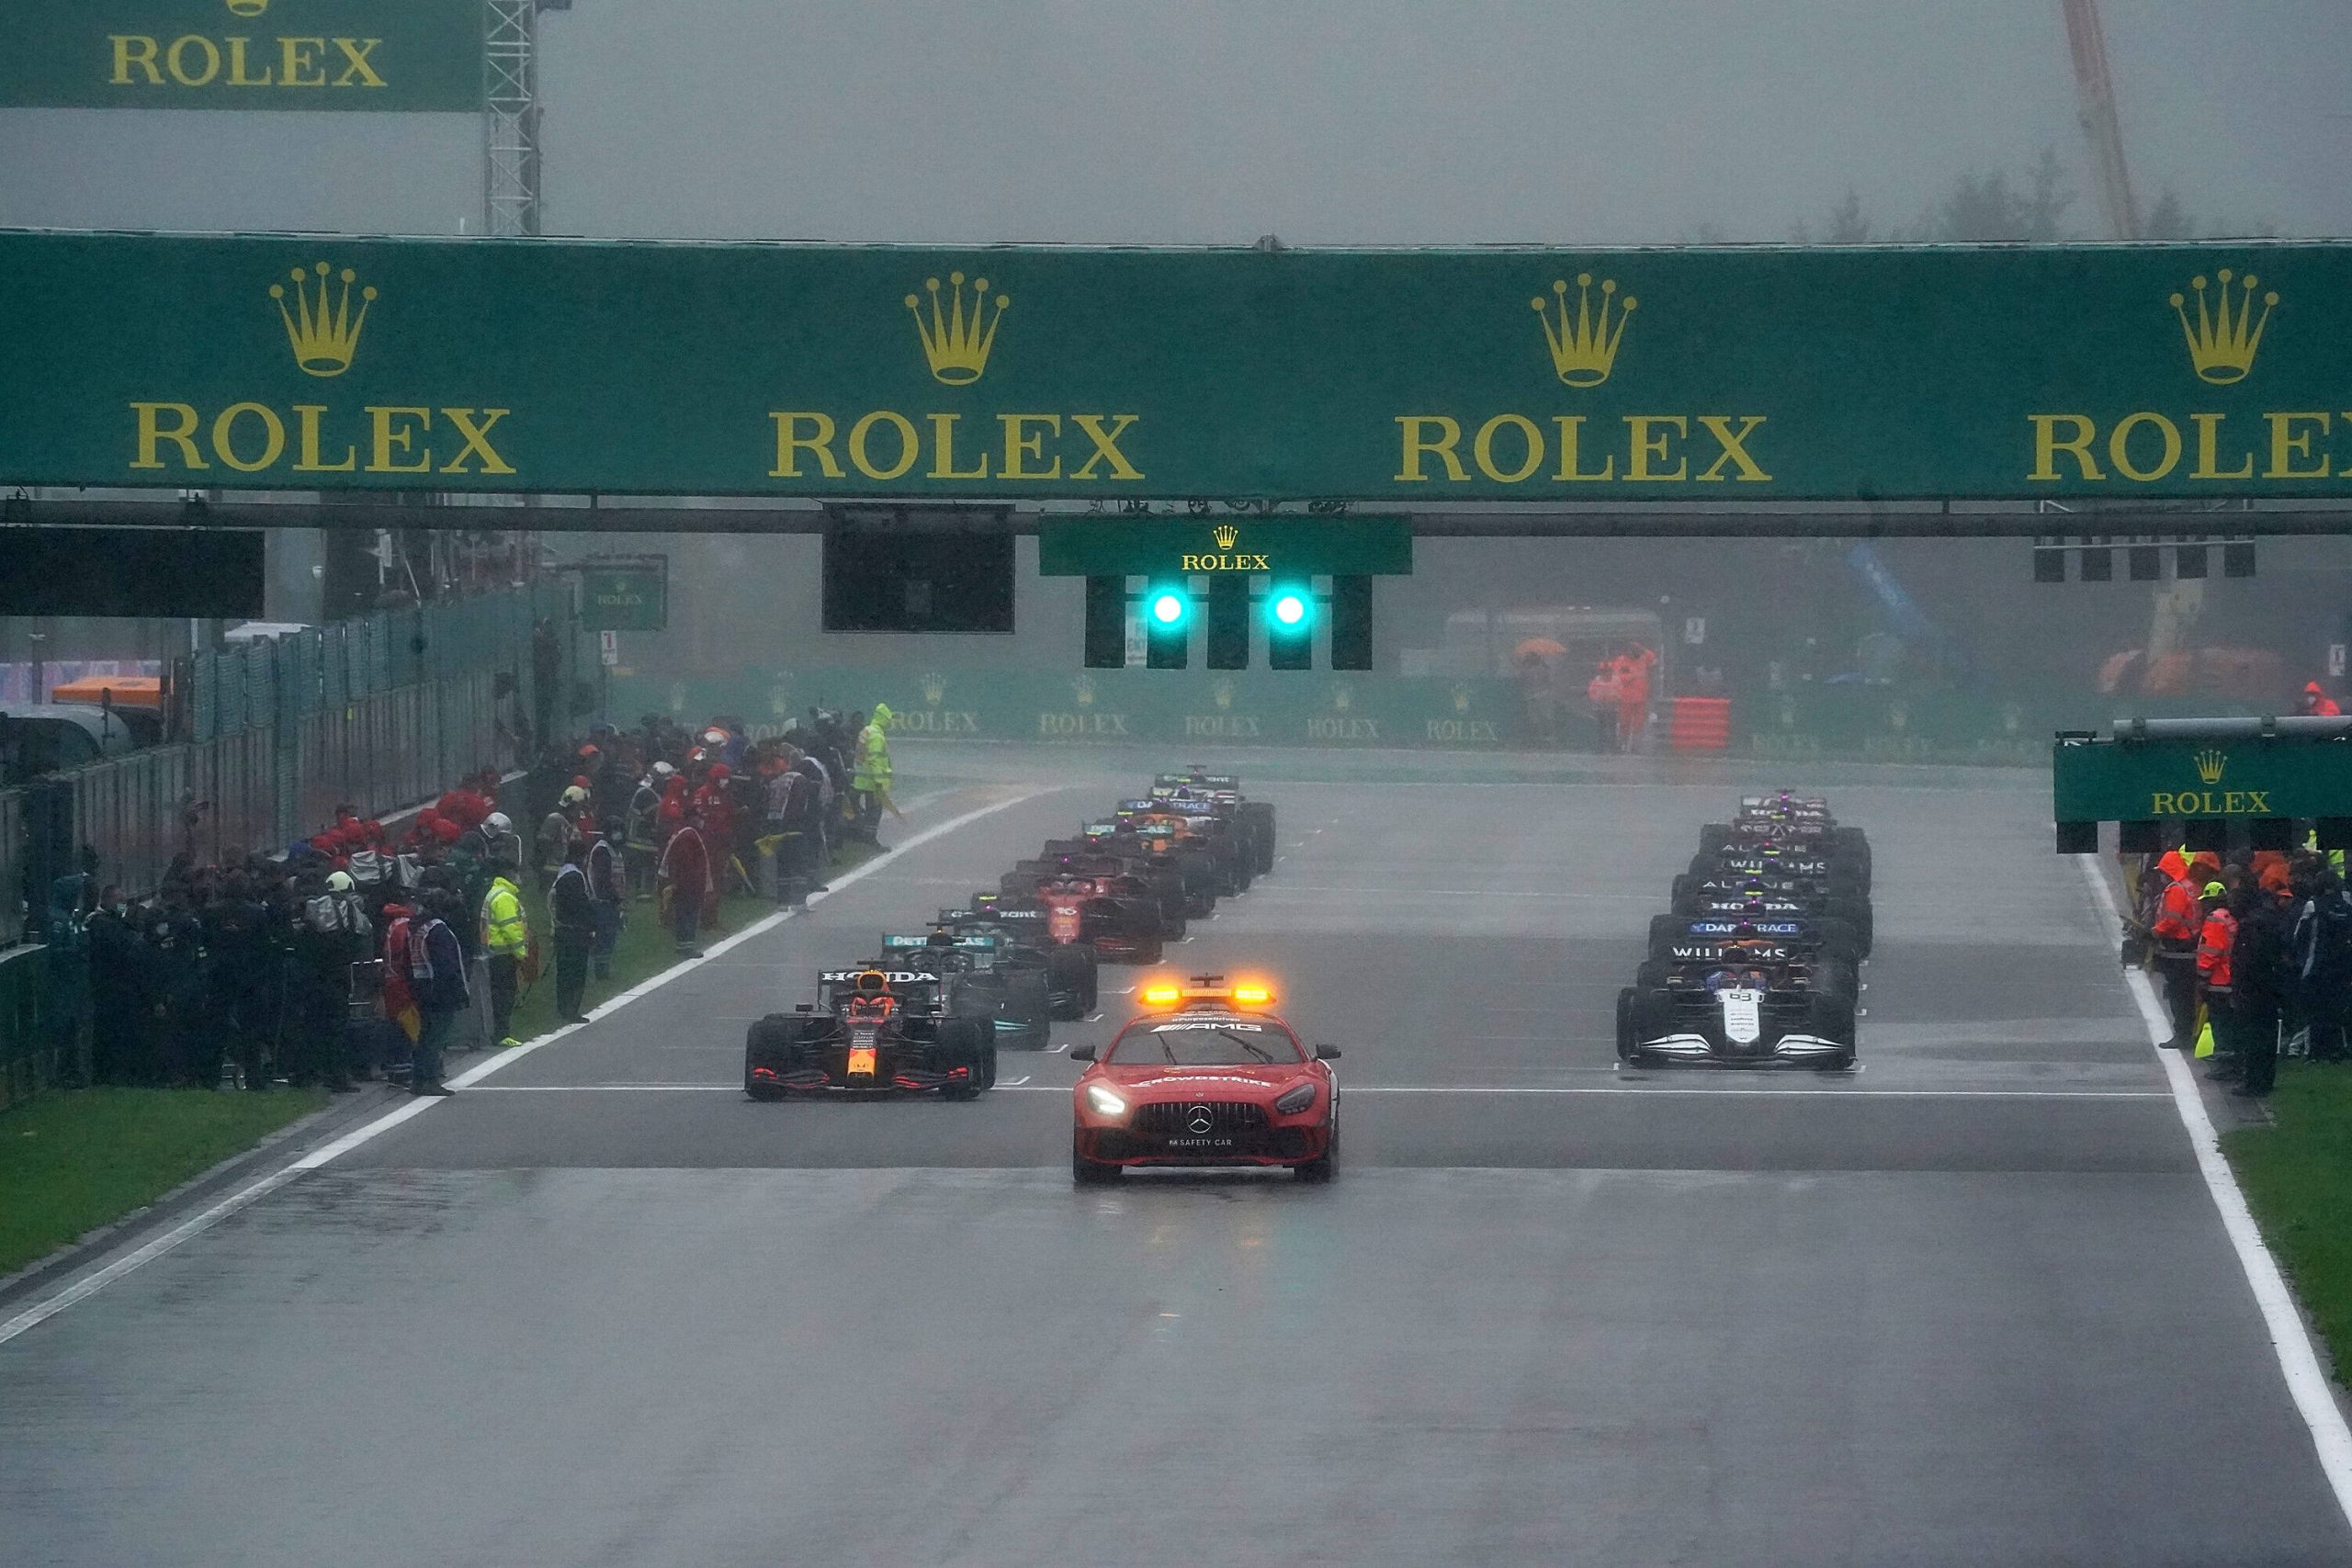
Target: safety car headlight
[(1294, 1100), (1105, 1103)]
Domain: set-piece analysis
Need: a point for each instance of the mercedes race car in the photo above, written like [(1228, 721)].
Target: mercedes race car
[(1740, 1003), (1206, 1075), (1069, 963), (884, 1028), (988, 978)]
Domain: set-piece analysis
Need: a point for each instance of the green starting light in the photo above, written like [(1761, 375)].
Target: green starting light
[(1290, 609), (1290, 628), (1167, 607), (1167, 627)]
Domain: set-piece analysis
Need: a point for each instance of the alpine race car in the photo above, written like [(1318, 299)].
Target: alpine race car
[(1206, 1075), (988, 978), (883, 1028), (1790, 822), (1774, 897), (1255, 818), (1742, 1003)]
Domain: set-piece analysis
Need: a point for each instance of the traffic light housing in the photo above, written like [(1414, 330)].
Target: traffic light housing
[(1228, 608), (1106, 623), (1290, 626), (1166, 626), (1351, 623)]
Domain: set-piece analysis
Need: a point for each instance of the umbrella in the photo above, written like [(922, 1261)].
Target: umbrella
[(1541, 647)]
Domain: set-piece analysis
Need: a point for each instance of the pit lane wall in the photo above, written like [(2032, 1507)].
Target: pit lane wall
[(1323, 708)]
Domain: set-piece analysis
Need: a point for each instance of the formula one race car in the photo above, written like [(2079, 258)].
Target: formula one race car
[(1116, 914), (1829, 941), (1208, 1075), (1178, 822), (1069, 962), (987, 979), (1255, 818), (1790, 822), (1774, 897), (1183, 877), (881, 1028), (1738, 1003)]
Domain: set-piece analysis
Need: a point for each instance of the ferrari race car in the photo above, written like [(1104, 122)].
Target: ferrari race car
[(1118, 915), (1206, 1075), (883, 1028), (1742, 1003)]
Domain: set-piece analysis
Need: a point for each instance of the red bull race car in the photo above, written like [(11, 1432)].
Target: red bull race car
[(884, 1028)]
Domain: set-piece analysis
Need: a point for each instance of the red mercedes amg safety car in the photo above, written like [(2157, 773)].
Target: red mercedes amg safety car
[(1206, 1076)]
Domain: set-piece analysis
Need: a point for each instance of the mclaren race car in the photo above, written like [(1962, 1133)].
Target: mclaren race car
[(1206, 1075), (1740, 1003), (1255, 818), (881, 1029)]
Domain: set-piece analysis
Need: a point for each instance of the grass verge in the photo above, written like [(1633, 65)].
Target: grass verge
[(2295, 1175), (76, 1159), (645, 949)]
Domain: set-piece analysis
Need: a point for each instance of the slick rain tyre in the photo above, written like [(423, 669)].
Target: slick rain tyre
[(963, 1044)]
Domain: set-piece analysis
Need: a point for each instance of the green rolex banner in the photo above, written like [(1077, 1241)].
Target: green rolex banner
[(415, 55)]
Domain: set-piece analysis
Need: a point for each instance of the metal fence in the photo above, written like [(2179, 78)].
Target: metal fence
[(12, 863)]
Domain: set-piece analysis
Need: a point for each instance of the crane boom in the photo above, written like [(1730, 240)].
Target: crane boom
[(2095, 96)]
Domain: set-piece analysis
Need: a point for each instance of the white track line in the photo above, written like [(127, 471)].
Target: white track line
[(90, 1284), (1506, 1089), (2298, 1361)]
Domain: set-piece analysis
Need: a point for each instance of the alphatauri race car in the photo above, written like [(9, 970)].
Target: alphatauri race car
[(1741, 1003), (1205, 1075), (1774, 897), (883, 1028)]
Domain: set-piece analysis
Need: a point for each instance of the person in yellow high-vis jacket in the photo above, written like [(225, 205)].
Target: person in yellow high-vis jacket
[(506, 940), (870, 775)]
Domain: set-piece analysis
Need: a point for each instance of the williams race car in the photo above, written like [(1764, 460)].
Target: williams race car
[(884, 1028), (1742, 1003), (1206, 1075)]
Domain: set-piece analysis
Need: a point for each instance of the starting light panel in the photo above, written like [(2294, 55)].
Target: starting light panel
[(1106, 623), (1351, 623), (1290, 626), (1166, 626), (1228, 639)]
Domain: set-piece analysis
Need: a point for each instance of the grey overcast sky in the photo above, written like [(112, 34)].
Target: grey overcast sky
[(1214, 121)]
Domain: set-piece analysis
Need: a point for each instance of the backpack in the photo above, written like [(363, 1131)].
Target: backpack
[(322, 914), (367, 867)]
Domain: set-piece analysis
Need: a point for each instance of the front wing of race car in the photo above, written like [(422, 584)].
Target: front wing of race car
[(1735, 1028)]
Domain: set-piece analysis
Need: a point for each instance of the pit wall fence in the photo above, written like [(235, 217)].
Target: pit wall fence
[(379, 713)]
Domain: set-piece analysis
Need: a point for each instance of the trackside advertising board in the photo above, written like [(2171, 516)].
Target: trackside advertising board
[(415, 55), (1411, 378)]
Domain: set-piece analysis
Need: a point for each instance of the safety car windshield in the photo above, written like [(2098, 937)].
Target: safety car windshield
[(1204, 1042)]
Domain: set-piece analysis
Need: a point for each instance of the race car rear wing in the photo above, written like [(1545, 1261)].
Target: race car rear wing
[(1734, 863), (1715, 954), (1795, 933)]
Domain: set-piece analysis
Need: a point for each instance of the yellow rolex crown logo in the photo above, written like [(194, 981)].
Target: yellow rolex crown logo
[(248, 7), (323, 330), (1083, 690), (1584, 349), (1222, 693), (1226, 534), (2209, 764), (2223, 340), (934, 688), (955, 341)]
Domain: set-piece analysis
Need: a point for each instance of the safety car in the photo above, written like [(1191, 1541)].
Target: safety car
[(1205, 1075)]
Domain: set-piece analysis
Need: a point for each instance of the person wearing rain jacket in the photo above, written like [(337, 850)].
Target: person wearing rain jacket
[(870, 774)]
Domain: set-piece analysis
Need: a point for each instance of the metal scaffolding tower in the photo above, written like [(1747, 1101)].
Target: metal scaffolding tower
[(511, 117)]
